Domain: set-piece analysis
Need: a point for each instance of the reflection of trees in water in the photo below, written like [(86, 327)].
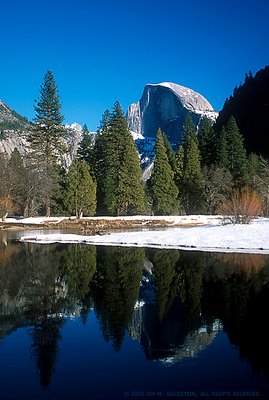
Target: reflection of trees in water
[(176, 316), (177, 274), (247, 263), (78, 266), (116, 288), (74, 267), (241, 301), (45, 337), (38, 283), (190, 284), (164, 262), (232, 288)]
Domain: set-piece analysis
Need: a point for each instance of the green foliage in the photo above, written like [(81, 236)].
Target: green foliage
[(223, 152), (80, 189), (232, 153), (169, 151), (118, 172), (163, 188), (164, 262), (48, 108), (189, 269), (46, 136), (116, 288), (249, 106), (193, 188), (85, 149), (189, 130), (78, 266), (179, 166), (207, 142)]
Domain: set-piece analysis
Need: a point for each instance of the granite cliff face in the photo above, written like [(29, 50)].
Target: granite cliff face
[(14, 129), (166, 105)]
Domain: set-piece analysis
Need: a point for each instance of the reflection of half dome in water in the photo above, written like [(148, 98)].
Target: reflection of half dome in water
[(169, 341), (194, 343)]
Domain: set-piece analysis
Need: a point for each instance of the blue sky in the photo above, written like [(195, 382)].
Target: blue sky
[(101, 51)]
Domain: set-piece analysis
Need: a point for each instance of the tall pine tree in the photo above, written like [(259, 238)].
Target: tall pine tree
[(47, 134), (232, 153), (163, 189), (207, 142), (193, 187), (85, 149), (118, 172), (169, 151)]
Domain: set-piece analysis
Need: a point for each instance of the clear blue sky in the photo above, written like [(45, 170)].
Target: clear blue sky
[(105, 50)]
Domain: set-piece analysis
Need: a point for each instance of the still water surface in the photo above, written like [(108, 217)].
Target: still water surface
[(85, 322)]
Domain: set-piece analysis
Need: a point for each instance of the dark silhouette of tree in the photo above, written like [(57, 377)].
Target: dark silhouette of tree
[(46, 335), (115, 290), (249, 105), (164, 263)]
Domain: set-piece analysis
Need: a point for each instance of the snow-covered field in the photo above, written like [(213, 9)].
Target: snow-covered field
[(174, 220), (252, 238)]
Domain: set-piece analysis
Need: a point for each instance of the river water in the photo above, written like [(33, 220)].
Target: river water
[(85, 322)]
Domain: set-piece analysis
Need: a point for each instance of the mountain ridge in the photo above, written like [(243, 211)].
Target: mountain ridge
[(166, 105)]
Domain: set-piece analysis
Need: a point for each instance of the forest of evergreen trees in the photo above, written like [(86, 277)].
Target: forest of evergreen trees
[(106, 178)]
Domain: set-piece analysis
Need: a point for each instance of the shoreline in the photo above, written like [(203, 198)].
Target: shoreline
[(97, 225)]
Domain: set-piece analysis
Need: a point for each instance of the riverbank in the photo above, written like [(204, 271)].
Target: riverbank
[(211, 236), (95, 225)]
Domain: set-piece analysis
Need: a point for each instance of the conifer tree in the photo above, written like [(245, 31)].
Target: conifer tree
[(47, 134), (164, 262), (163, 189), (207, 143), (236, 154), (100, 159), (80, 189), (179, 166), (188, 131), (193, 188), (118, 172), (179, 171), (46, 138), (222, 156), (232, 153), (85, 149), (169, 151)]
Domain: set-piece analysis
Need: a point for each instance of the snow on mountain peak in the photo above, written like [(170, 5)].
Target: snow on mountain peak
[(75, 127), (189, 98)]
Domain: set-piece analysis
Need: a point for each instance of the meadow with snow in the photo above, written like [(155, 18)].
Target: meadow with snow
[(204, 233)]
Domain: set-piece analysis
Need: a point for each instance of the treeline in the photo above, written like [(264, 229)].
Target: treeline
[(106, 178), (249, 105)]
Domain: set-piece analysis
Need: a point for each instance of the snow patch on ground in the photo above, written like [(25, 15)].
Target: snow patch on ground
[(252, 238)]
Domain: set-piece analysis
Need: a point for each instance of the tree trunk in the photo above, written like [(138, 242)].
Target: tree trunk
[(48, 210)]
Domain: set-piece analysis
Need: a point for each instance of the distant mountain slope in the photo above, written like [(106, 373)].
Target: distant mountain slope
[(10, 120), (249, 104), (166, 105), (14, 129)]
